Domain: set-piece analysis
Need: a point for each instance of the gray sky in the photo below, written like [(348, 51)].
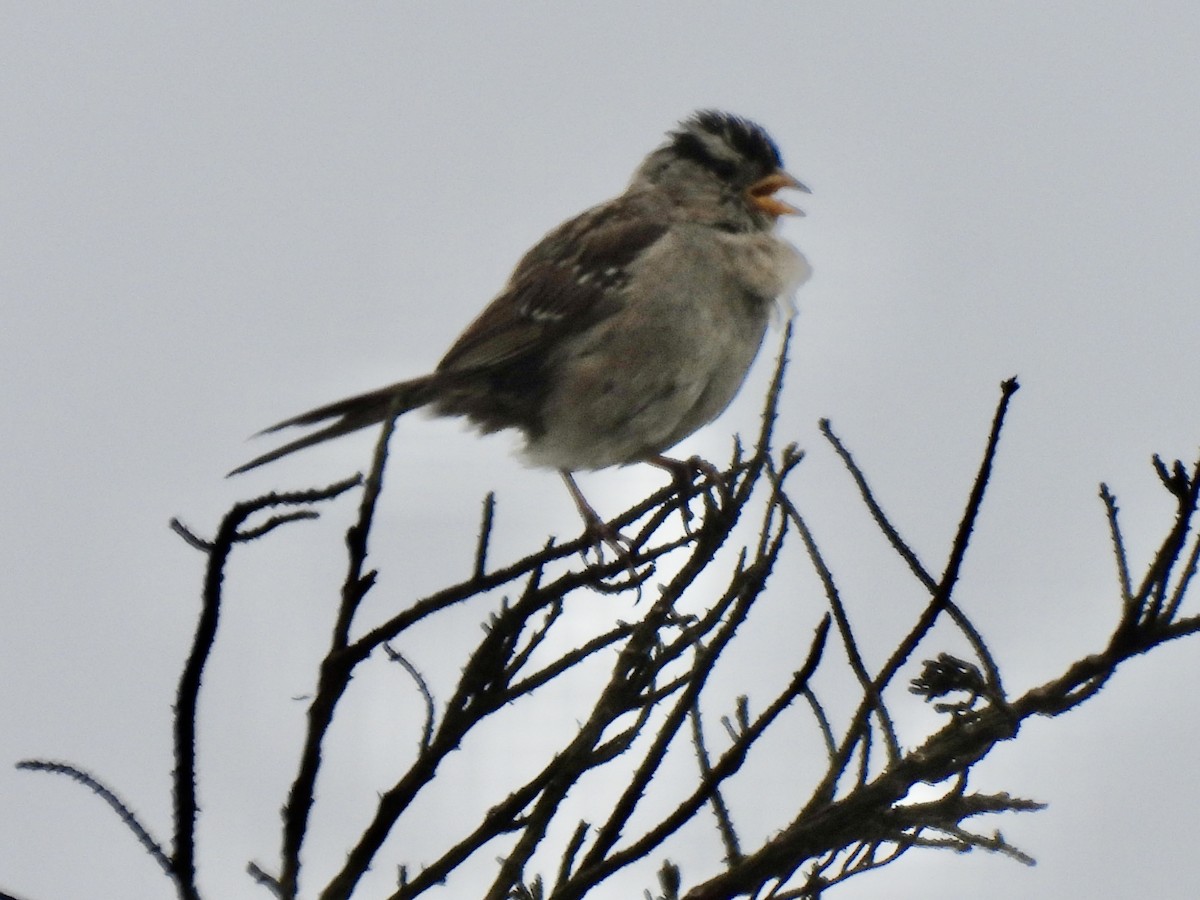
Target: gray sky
[(218, 216)]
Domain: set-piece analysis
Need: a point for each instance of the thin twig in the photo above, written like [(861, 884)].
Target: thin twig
[(1185, 579), (274, 522), (871, 695), (822, 721), (189, 537), (996, 686), (128, 816), (485, 534), (423, 687), (958, 547), (1118, 542), (868, 496), (725, 829), (261, 876)]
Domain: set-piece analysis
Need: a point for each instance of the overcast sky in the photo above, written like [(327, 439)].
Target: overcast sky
[(217, 215)]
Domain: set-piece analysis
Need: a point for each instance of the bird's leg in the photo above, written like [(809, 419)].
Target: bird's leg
[(595, 529), (682, 472)]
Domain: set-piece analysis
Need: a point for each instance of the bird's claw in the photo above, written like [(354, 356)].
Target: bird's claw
[(683, 474)]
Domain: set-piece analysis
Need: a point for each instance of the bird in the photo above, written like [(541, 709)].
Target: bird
[(626, 328)]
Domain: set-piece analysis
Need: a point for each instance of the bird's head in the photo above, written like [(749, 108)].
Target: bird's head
[(721, 167)]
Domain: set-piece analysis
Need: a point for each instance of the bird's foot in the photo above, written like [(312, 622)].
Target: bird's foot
[(683, 475), (599, 534)]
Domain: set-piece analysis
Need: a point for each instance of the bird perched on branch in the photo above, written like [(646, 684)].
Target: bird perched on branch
[(626, 328)]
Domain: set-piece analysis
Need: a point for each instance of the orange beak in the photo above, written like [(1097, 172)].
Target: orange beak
[(761, 194)]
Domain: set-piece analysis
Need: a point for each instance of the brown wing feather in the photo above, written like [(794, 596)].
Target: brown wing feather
[(564, 284)]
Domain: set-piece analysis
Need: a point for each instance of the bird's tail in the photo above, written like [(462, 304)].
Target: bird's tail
[(351, 414)]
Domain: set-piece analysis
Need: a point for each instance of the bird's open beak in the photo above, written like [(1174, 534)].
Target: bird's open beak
[(762, 194)]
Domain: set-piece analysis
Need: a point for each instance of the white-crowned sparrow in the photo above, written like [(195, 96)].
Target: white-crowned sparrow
[(626, 328)]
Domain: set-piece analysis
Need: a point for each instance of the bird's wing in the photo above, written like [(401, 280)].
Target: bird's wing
[(568, 281)]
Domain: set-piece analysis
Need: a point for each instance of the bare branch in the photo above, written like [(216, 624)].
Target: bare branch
[(334, 674), (858, 816), (910, 558), (485, 534), (1118, 541), (423, 687), (115, 803), (724, 821), (184, 776)]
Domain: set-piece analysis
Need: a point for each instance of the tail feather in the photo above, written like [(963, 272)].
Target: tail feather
[(352, 414)]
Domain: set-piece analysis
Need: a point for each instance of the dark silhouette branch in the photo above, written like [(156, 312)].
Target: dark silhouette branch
[(905, 552), (127, 816), (184, 778), (660, 675)]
